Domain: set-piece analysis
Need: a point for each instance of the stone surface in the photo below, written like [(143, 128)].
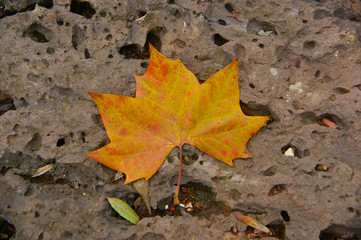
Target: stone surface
[(299, 62)]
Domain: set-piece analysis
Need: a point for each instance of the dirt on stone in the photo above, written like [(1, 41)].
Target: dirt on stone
[(299, 64)]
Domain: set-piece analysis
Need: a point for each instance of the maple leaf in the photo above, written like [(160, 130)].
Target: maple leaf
[(172, 108)]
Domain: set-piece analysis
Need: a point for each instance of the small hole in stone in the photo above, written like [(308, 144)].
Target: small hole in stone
[(82, 8), (269, 27), (309, 45), (276, 189), (250, 196), (78, 36), (50, 50), (6, 103), (222, 22), (254, 109), (144, 64), (86, 53), (251, 85), (135, 51), (60, 22), (331, 117), (219, 40), (298, 63), (254, 40), (8, 230), (271, 171), (131, 51), (261, 46), (321, 167), (60, 142), (229, 7), (4, 170), (171, 2), (38, 33), (141, 14), (154, 37), (201, 162), (103, 13), (285, 216), (177, 14), (351, 209), (291, 151), (109, 37), (46, 3), (110, 56), (341, 90), (304, 21), (317, 73), (341, 231)]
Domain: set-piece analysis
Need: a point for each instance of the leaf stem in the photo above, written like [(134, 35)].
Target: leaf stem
[(176, 200)]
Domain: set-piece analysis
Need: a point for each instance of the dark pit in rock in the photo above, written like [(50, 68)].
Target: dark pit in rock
[(7, 229), (219, 40), (82, 8), (340, 231), (38, 33), (6, 103), (196, 198)]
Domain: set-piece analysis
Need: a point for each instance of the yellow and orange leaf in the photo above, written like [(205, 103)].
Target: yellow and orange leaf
[(172, 108)]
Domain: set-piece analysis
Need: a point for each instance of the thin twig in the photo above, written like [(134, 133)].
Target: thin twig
[(234, 14)]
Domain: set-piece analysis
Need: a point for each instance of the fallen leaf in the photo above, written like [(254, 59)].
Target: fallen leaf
[(43, 170), (252, 222), (172, 108), (142, 188), (123, 209)]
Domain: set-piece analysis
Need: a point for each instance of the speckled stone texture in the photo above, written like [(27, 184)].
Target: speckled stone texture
[(299, 62)]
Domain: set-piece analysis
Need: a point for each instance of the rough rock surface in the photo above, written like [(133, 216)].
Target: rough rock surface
[(299, 62)]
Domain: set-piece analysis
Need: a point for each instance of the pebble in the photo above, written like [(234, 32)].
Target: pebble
[(320, 167), (328, 123), (289, 152), (273, 71)]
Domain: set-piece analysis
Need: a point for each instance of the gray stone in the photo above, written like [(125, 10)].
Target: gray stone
[(299, 62)]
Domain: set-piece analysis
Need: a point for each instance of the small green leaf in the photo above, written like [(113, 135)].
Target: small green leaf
[(124, 210)]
